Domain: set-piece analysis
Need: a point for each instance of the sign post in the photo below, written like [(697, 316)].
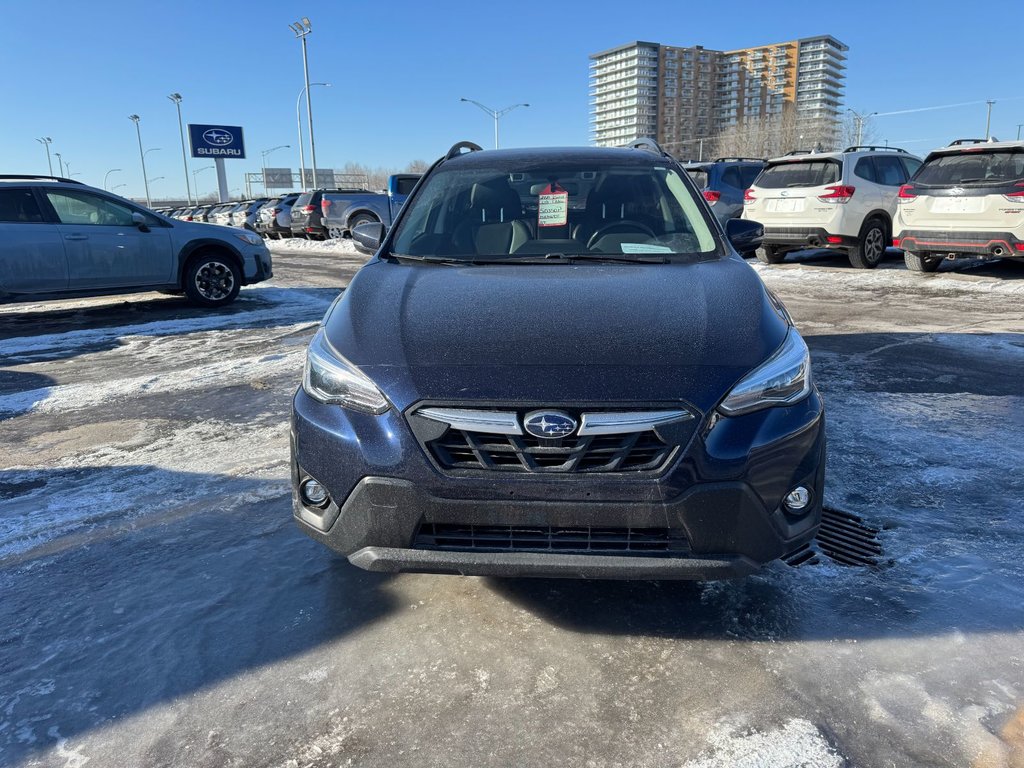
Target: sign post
[(217, 142)]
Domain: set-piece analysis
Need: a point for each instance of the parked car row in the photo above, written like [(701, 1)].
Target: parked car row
[(962, 201)]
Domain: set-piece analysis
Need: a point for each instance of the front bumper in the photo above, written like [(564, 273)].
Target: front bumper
[(983, 244), (723, 493)]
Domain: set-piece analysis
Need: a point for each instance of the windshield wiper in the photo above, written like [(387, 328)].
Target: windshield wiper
[(635, 258)]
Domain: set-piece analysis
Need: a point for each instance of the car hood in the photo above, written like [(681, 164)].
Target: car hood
[(556, 334)]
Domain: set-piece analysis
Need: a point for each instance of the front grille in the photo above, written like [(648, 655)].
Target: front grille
[(582, 540), (630, 452)]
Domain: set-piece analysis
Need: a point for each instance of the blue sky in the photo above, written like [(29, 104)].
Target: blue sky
[(75, 71)]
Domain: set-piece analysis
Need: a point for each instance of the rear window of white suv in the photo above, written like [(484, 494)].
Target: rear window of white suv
[(800, 173), (995, 167)]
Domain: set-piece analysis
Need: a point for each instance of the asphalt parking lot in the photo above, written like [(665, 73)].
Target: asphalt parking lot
[(159, 607)]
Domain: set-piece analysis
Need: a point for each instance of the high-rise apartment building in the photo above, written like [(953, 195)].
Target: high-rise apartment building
[(681, 95)]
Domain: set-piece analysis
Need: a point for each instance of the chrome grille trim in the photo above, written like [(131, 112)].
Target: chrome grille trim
[(469, 420), (617, 423)]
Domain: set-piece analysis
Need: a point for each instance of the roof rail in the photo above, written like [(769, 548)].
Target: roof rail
[(456, 149), (37, 176), (866, 148), (962, 142), (799, 152), (738, 159), (646, 142)]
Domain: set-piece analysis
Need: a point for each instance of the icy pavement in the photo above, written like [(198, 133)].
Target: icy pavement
[(158, 608)]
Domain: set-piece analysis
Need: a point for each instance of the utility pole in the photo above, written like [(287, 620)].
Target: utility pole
[(858, 120), (988, 120), (135, 119), (176, 98), (46, 141)]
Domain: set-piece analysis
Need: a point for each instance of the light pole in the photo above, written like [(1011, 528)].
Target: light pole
[(107, 175), (988, 120), (497, 114), (142, 156), (1019, 126), (46, 141), (60, 164), (117, 187), (298, 121), (858, 120), (195, 183), (176, 98), (302, 30), (264, 154)]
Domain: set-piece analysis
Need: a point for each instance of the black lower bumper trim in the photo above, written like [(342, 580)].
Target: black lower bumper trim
[(992, 244), (390, 559), (806, 237)]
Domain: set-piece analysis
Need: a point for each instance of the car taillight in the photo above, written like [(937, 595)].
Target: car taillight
[(1016, 197), (906, 192), (308, 208), (895, 242), (841, 193), (748, 196), (188, 218), (276, 211), (712, 196), (325, 203)]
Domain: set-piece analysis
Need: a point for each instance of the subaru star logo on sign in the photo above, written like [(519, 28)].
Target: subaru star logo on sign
[(216, 141), (549, 424)]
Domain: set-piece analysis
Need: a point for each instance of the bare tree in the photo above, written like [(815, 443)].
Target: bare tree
[(848, 130)]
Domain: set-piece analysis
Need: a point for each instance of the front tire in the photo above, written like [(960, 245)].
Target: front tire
[(770, 254), (212, 280), (870, 248), (921, 262)]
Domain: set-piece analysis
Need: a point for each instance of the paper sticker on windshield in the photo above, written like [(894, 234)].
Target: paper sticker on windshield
[(644, 248), (552, 206)]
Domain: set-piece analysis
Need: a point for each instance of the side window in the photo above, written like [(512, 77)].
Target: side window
[(731, 176), (74, 207), (889, 170), (865, 169), (405, 186), (19, 205), (748, 173), (911, 164)]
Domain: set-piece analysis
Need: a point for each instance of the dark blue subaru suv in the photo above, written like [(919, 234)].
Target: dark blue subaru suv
[(557, 364)]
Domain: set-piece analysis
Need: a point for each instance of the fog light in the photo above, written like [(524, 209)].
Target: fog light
[(313, 493), (798, 498)]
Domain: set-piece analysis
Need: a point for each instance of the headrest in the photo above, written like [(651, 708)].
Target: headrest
[(493, 196)]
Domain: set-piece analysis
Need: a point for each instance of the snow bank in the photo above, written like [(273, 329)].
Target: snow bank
[(886, 279), (295, 244)]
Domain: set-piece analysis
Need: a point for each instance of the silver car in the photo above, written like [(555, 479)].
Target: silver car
[(62, 238)]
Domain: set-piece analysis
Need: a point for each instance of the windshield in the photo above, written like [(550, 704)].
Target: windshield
[(564, 208), (803, 173), (972, 167)]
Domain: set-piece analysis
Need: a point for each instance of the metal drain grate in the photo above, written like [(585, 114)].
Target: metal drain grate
[(843, 537)]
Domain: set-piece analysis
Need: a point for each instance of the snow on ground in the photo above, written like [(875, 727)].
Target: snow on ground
[(797, 744), (298, 244)]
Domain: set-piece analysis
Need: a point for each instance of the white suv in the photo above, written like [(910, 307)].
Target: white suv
[(966, 201), (842, 200)]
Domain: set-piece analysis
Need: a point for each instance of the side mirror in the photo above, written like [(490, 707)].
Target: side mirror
[(744, 235), (369, 236), (140, 221)]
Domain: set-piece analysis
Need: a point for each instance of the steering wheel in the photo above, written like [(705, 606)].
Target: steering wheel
[(627, 224)]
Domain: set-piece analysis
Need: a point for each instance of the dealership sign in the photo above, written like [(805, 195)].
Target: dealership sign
[(216, 141)]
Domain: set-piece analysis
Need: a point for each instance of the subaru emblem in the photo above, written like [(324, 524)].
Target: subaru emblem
[(218, 137), (549, 425)]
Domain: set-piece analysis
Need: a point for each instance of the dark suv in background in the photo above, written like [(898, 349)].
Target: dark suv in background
[(723, 182), (307, 214)]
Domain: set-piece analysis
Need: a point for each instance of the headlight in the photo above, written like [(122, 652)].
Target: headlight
[(783, 378), (331, 379), (249, 237)]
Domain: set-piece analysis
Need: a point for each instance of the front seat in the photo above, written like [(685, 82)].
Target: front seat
[(493, 225)]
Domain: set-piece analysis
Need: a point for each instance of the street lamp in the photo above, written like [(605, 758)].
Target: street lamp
[(60, 164), (302, 30), (142, 156), (117, 187), (988, 120), (195, 184), (266, 152), (176, 98), (298, 121), (859, 122), (46, 141), (497, 114), (107, 175)]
